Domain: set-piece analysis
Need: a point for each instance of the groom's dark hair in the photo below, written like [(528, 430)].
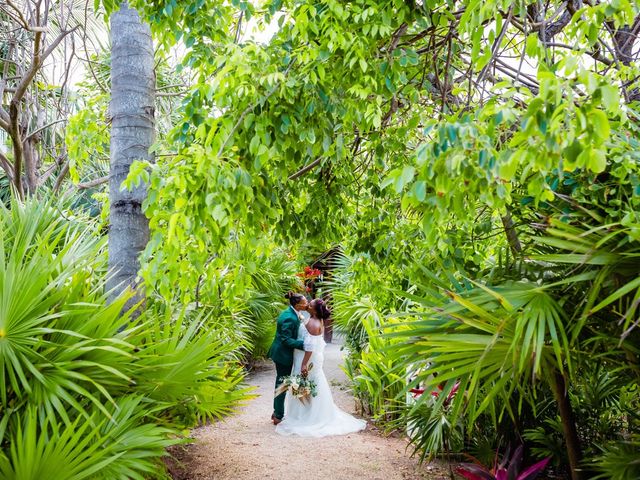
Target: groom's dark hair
[(294, 298)]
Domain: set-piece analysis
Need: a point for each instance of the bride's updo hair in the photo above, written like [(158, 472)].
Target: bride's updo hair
[(294, 298), (321, 308)]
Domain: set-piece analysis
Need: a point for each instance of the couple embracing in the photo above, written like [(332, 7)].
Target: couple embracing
[(298, 345)]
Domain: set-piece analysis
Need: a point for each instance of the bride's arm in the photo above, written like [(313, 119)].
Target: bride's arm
[(308, 346), (307, 355)]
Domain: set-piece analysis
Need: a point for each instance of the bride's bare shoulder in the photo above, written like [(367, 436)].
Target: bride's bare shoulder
[(314, 327)]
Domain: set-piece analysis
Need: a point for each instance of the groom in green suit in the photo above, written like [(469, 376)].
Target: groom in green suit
[(284, 343)]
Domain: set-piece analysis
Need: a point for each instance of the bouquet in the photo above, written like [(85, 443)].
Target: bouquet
[(299, 386)]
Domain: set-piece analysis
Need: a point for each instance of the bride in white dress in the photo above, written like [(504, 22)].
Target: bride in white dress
[(319, 417)]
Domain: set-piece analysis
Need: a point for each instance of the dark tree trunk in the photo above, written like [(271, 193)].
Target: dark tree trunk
[(512, 235), (574, 451)]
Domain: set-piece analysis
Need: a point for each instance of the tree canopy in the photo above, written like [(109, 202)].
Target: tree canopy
[(396, 126)]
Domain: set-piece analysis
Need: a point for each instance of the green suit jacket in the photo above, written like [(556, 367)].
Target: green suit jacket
[(286, 341)]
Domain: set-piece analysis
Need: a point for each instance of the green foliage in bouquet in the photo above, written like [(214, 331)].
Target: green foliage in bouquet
[(300, 386)]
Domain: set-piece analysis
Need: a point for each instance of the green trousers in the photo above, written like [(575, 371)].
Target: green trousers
[(278, 402)]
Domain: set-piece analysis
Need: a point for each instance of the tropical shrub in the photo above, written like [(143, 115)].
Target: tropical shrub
[(360, 300), (86, 391), (242, 296), (544, 343), (619, 460)]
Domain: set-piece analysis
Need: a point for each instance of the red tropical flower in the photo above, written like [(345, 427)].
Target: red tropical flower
[(309, 273)]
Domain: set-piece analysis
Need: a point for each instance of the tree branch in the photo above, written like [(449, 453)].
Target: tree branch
[(510, 232), (61, 177), (547, 29), (4, 119), (172, 94), (47, 173), (395, 38), (93, 183), (445, 87), (6, 165), (35, 132), (596, 54), (496, 45), (5, 71), (20, 19), (306, 169), (14, 133), (37, 62), (624, 39), (239, 27)]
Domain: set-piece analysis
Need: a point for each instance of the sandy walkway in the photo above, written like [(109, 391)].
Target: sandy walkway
[(246, 446)]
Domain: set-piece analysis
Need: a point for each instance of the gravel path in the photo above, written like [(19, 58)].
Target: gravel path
[(246, 446)]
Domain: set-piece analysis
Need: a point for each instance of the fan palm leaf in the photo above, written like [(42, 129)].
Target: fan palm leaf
[(85, 392), (489, 340), (121, 447)]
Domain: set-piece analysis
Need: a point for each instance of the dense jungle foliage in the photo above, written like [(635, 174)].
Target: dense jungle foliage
[(477, 164)]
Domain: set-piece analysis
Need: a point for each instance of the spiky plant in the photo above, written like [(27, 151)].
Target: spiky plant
[(85, 392), (513, 345)]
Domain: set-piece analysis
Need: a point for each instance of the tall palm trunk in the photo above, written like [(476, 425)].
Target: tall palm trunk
[(132, 133), (572, 440)]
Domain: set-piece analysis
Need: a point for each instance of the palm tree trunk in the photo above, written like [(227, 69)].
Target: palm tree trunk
[(559, 387), (132, 133)]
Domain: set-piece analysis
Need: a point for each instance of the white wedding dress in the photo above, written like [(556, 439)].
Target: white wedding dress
[(319, 417)]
